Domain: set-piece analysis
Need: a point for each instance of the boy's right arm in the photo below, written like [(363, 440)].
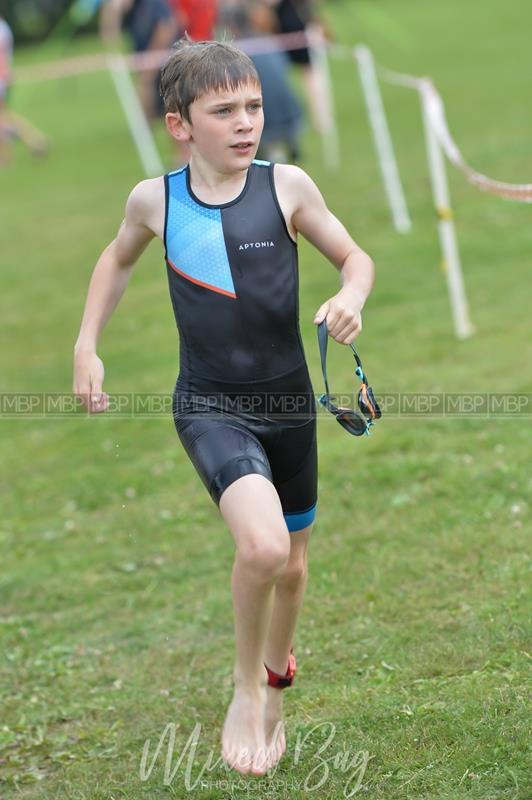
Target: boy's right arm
[(107, 285)]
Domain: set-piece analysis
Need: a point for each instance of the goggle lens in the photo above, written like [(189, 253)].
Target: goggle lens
[(347, 418), (367, 403), (351, 420)]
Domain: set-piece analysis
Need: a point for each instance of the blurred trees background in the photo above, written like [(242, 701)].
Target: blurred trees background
[(34, 20)]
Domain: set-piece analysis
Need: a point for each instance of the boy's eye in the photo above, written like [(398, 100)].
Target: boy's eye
[(227, 109)]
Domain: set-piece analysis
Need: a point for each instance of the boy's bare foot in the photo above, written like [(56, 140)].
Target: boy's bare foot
[(243, 740), (274, 725)]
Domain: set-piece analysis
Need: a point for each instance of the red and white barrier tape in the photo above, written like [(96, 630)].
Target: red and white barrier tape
[(436, 112), (154, 59), (151, 59)]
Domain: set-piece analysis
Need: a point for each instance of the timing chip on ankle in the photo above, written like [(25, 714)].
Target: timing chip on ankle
[(283, 681)]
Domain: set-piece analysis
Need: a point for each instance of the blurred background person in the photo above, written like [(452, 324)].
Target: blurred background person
[(13, 125), (151, 25), (294, 16), (196, 17), (283, 114)]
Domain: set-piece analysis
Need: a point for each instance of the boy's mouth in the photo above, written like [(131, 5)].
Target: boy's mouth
[(242, 147)]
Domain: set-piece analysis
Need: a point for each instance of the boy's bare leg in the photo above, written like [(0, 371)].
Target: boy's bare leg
[(288, 599), (252, 509)]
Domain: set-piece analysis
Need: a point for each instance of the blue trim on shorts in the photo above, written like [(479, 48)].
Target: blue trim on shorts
[(297, 520)]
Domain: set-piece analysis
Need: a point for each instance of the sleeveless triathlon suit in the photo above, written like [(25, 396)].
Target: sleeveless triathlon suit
[(243, 400)]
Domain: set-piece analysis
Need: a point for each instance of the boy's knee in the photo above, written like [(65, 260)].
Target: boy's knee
[(265, 553), (294, 574)]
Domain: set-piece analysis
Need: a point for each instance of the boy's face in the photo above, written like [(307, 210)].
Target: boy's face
[(225, 127)]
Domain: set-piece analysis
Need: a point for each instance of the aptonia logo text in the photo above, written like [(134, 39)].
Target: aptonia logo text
[(248, 245)]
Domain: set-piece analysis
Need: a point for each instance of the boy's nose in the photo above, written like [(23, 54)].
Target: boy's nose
[(244, 122)]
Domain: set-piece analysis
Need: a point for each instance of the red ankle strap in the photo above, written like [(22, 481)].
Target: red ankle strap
[(283, 681)]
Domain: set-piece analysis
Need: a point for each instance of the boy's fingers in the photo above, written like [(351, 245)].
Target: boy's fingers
[(321, 313), (88, 383), (98, 400), (92, 395), (96, 393), (82, 386), (83, 391)]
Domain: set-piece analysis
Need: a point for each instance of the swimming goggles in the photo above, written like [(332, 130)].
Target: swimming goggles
[(351, 420)]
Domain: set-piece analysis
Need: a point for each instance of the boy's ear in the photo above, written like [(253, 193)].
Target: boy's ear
[(177, 127)]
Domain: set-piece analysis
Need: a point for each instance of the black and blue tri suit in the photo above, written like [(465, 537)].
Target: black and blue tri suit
[(243, 400)]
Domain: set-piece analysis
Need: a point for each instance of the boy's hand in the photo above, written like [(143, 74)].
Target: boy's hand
[(343, 315), (88, 381)]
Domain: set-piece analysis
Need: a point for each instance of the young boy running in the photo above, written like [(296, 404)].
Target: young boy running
[(243, 401)]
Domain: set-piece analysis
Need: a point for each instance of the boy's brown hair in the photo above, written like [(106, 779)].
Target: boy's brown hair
[(196, 68)]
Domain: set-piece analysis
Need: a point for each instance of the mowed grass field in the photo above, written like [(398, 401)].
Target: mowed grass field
[(115, 609)]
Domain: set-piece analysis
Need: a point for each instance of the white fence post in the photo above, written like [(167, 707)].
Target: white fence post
[(451, 259), (320, 64), (136, 118), (382, 139)]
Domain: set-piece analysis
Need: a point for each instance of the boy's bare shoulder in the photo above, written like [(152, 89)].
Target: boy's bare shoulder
[(293, 182), (290, 174), (295, 190), (145, 205)]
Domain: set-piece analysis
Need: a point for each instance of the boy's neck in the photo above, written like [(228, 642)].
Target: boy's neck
[(207, 183)]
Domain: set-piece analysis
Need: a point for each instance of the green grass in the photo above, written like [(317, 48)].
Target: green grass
[(115, 606)]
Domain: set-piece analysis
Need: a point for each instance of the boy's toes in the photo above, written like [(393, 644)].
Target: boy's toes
[(241, 760), (278, 747), (261, 762)]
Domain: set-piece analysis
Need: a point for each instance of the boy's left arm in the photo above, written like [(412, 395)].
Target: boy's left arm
[(311, 217)]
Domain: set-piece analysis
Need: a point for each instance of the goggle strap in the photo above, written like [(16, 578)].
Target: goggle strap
[(367, 394), (323, 335), (359, 371)]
